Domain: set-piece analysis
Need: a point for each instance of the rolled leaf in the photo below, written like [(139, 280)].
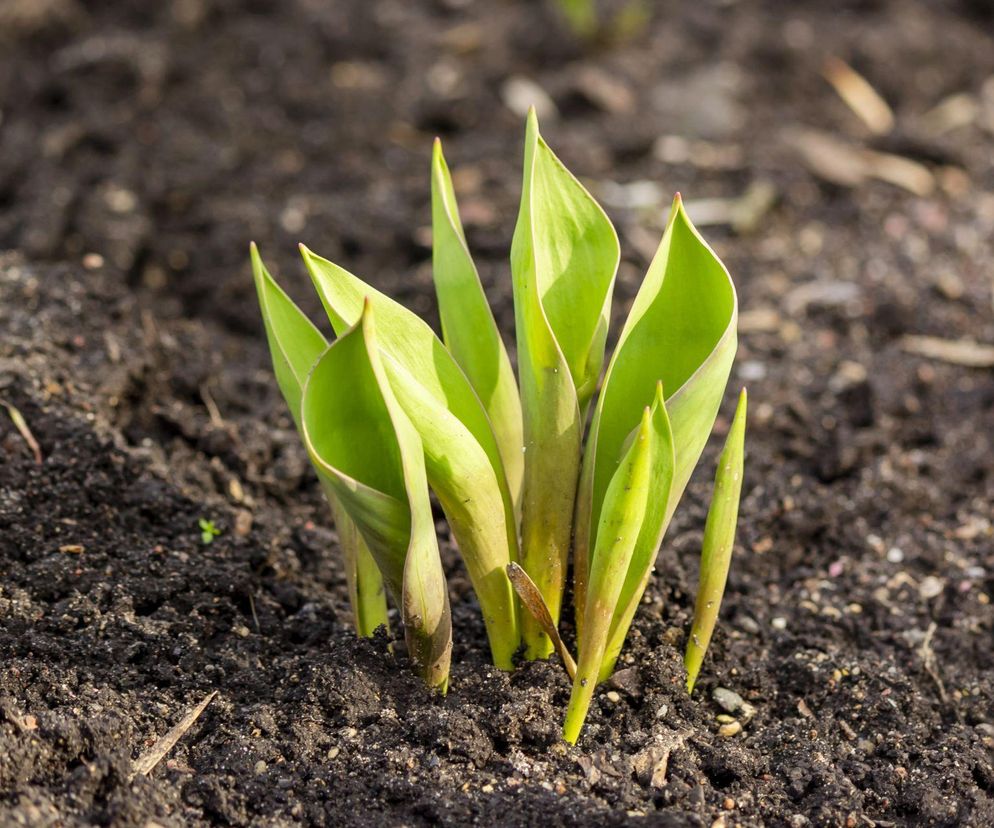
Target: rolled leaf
[(367, 452), (563, 262), (295, 345), (463, 461), (681, 329), (468, 327), (719, 539), (634, 506)]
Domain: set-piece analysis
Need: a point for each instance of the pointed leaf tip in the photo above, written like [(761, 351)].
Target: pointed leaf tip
[(660, 398), (531, 123)]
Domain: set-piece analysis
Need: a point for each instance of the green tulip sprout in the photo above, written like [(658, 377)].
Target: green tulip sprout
[(389, 412)]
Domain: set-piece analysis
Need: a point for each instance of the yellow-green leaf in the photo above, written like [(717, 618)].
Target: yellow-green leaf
[(366, 451), (681, 330), (634, 506), (295, 345), (463, 461), (719, 539), (563, 262), (468, 327)]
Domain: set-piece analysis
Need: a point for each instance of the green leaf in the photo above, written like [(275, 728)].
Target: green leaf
[(468, 327), (681, 330), (581, 16), (563, 262), (366, 451), (295, 345), (367, 596), (634, 508), (463, 461), (719, 539)]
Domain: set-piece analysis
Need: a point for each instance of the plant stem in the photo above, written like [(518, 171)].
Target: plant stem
[(367, 595)]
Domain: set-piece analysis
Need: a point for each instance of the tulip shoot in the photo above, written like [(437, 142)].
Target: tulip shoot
[(390, 411)]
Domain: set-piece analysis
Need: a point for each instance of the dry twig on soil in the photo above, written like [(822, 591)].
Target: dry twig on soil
[(149, 759)]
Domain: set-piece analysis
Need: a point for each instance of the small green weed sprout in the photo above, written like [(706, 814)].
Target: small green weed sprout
[(589, 23), (208, 531), (389, 411)]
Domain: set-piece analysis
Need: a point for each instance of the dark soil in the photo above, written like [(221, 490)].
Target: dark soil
[(143, 144)]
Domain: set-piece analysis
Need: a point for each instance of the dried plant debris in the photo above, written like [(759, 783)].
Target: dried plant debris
[(868, 105), (955, 351), (849, 165)]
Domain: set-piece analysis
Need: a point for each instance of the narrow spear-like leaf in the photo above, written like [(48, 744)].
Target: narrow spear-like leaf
[(367, 452), (633, 506), (468, 327), (463, 461), (681, 328), (563, 262), (719, 539), (295, 345)]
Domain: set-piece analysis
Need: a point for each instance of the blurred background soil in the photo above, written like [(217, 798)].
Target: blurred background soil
[(142, 145)]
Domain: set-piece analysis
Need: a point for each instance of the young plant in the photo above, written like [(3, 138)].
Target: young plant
[(388, 414), (719, 537), (587, 23), (208, 531)]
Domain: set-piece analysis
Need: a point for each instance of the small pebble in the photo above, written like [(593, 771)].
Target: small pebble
[(931, 587), (260, 767), (728, 700), (752, 371), (520, 94), (243, 522), (613, 696), (728, 804), (779, 623), (895, 554), (728, 730), (333, 752), (724, 718)]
